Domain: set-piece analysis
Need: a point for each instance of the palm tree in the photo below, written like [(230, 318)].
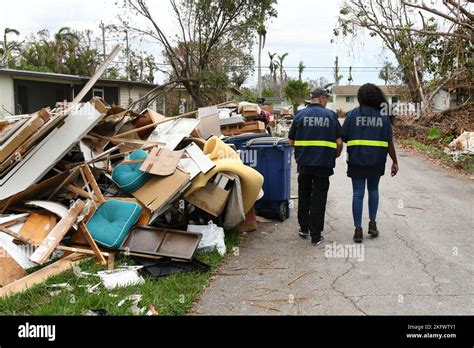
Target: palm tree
[(273, 66), (5, 52), (280, 62), (337, 77), (262, 34), (350, 79), (65, 43), (301, 68)]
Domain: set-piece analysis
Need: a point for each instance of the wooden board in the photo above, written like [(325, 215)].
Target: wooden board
[(37, 227), (51, 150), (248, 127), (40, 276), (41, 255), (10, 270)]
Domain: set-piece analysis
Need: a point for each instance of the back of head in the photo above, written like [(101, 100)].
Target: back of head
[(371, 95)]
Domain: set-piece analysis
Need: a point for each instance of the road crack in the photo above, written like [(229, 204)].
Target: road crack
[(342, 293), (437, 285)]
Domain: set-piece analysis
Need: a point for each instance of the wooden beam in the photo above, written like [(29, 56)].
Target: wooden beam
[(111, 261), (80, 250), (11, 233), (40, 276), (82, 226), (42, 253), (78, 191), (91, 180), (96, 76)]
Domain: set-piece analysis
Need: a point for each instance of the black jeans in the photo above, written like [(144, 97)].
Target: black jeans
[(312, 197)]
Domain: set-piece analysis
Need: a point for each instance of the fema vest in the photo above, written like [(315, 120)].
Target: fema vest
[(315, 137), (367, 133)]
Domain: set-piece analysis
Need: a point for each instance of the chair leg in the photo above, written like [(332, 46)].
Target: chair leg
[(93, 244)]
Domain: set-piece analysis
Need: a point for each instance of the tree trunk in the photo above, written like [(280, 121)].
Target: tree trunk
[(193, 91)]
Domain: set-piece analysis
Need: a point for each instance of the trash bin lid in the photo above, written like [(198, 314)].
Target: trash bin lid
[(268, 141)]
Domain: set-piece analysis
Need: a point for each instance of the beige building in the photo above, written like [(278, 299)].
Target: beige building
[(345, 97)]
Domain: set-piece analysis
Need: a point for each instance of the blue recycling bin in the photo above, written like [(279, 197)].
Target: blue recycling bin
[(239, 141), (271, 157)]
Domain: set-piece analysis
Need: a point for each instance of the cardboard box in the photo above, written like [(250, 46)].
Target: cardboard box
[(161, 161), (248, 127), (162, 190), (267, 108), (20, 136), (250, 223), (210, 122), (211, 198)]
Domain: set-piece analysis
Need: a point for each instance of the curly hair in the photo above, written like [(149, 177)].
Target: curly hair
[(371, 95)]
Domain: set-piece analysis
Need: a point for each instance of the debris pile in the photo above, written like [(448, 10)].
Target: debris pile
[(92, 179)]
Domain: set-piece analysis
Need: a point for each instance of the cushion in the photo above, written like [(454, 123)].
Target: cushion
[(129, 177), (112, 222)]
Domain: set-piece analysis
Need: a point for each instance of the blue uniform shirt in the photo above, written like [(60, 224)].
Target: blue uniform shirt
[(315, 130), (368, 135)]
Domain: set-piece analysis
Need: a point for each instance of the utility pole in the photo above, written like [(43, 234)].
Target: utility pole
[(128, 66), (259, 89), (128, 54), (102, 27)]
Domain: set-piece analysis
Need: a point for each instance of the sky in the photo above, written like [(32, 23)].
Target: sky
[(303, 28)]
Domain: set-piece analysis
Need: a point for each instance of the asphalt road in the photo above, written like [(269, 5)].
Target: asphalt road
[(422, 263)]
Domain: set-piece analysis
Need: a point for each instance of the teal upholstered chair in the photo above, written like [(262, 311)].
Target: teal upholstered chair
[(112, 221), (128, 176)]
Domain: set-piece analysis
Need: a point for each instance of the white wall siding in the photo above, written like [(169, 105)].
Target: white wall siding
[(7, 97), (134, 94)]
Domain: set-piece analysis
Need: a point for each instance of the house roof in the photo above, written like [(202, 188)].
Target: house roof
[(352, 90), (72, 78)]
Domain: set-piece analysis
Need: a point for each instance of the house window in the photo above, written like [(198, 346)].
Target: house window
[(394, 100), (350, 99), (98, 92)]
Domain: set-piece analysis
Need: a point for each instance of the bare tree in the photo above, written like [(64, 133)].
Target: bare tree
[(206, 29)]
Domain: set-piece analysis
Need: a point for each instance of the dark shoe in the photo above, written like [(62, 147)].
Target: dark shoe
[(358, 236), (373, 231), (303, 234), (316, 242)]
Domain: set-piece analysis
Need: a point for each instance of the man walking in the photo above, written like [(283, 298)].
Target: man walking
[(317, 137)]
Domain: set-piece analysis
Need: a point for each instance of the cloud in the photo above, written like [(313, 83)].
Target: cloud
[(303, 28)]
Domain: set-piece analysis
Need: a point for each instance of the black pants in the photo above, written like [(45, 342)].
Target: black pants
[(312, 197)]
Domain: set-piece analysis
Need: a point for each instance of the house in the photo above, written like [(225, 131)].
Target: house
[(23, 92), (280, 105), (345, 97), (178, 100)]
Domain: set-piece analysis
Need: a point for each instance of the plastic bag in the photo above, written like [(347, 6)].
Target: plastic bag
[(212, 237)]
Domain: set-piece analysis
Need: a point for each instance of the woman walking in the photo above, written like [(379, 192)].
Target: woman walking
[(368, 133)]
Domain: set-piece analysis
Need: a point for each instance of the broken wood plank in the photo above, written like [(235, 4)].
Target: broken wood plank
[(91, 180), (10, 270), (41, 255), (16, 236), (37, 227), (40, 276), (80, 250), (78, 191)]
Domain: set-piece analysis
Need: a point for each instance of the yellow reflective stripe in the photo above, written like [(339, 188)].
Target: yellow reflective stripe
[(367, 143), (316, 143)]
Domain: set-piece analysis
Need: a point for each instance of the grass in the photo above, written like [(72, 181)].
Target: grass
[(172, 295), (465, 162), (434, 151)]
